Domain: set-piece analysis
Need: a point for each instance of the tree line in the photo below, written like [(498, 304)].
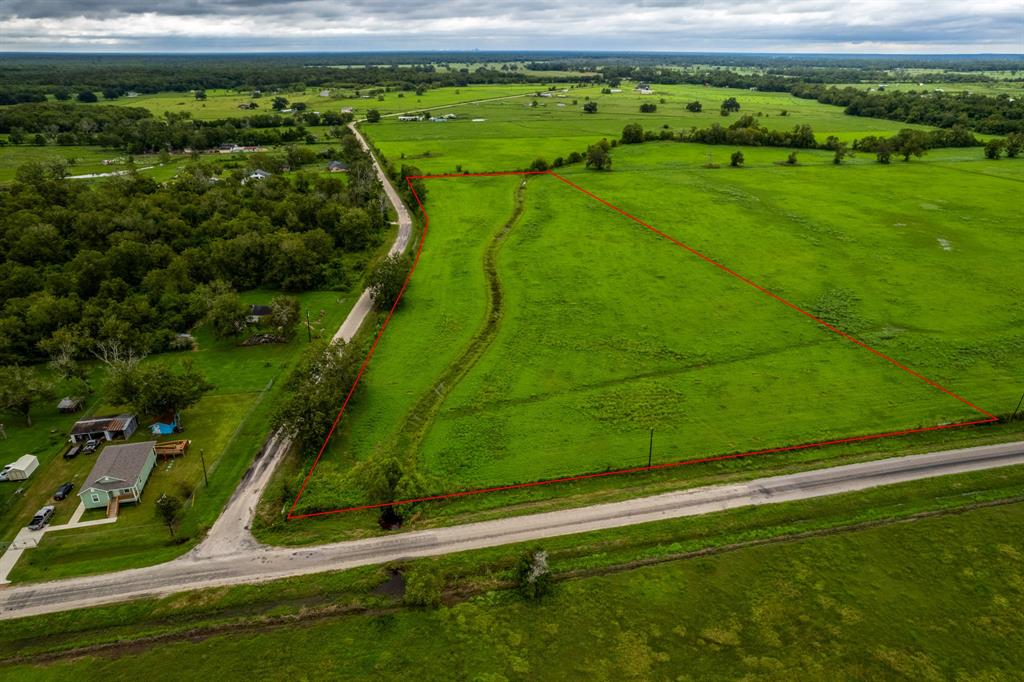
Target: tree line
[(135, 260)]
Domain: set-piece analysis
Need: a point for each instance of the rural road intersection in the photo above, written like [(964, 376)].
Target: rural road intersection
[(253, 562)]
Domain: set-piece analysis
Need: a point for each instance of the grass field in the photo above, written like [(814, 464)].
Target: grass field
[(224, 103), (513, 133), (938, 598), (608, 330)]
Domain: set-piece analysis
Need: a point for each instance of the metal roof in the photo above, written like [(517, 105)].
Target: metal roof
[(114, 423)]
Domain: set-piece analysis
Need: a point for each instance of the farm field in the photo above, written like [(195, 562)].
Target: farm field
[(512, 133), (938, 597), (565, 386), (224, 103)]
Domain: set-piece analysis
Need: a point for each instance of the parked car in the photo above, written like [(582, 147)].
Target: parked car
[(63, 491), (41, 518), (73, 452), (90, 446)]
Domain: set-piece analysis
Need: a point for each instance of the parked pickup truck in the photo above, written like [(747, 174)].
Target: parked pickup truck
[(41, 518)]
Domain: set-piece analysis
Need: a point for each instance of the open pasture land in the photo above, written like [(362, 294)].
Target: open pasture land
[(601, 330), (225, 103), (512, 132)]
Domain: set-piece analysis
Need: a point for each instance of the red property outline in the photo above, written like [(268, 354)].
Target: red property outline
[(989, 417)]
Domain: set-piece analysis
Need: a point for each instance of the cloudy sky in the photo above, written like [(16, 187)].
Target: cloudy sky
[(903, 26)]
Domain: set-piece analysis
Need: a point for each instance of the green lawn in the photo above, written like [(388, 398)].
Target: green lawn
[(939, 598)]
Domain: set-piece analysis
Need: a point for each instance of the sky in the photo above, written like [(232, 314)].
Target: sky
[(852, 26)]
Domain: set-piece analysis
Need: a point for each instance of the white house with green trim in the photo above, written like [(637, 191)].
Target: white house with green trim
[(120, 471)]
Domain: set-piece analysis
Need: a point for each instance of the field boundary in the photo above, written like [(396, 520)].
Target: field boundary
[(988, 416)]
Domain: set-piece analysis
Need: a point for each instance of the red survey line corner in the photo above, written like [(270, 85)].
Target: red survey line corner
[(989, 417)]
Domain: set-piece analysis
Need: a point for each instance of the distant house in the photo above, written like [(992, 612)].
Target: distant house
[(118, 427), (70, 404), (644, 89), (257, 313), (325, 93), (409, 117), (166, 425), (248, 105), (121, 472), (346, 110), (258, 174), (337, 167)]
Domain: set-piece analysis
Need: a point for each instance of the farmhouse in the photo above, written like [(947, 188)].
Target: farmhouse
[(337, 167), (407, 117), (120, 473), (325, 93), (118, 427), (644, 89)]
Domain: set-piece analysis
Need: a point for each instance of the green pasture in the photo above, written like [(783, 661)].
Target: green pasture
[(609, 331), (225, 103), (512, 132), (1012, 87), (936, 599)]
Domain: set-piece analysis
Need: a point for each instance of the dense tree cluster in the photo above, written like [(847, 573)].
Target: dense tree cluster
[(983, 113), (136, 130), (747, 131), (136, 260)]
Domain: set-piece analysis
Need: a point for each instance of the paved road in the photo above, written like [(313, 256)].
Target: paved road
[(258, 563), (363, 305), (230, 534)]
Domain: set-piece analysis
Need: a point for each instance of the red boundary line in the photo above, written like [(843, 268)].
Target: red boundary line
[(615, 472)]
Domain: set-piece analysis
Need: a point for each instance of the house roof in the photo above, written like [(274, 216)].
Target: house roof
[(69, 402), (115, 423), (119, 464), (336, 164)]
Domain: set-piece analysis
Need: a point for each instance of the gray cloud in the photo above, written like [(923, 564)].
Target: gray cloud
[(684, 25)]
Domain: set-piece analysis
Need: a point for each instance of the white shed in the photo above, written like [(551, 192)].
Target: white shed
[(21, 469)]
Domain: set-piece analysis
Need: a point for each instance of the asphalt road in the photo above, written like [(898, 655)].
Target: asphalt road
[(250, 563), (230, 533)]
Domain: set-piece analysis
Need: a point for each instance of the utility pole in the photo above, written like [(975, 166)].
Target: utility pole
[(202, 458), (1019, 403), (650, 450)]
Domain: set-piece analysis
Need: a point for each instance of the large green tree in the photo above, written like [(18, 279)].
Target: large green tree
[(387, 279), (21, 388), (155, 389)]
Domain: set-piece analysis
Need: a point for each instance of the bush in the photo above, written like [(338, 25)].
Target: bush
[(424, 585), (532, 574), (736, 160)]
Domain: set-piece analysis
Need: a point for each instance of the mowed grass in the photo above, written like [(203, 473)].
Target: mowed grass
[(609, 330), (935, 599), (513, 133)]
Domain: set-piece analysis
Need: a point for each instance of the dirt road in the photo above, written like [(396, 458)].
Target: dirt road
[(256, 563)]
